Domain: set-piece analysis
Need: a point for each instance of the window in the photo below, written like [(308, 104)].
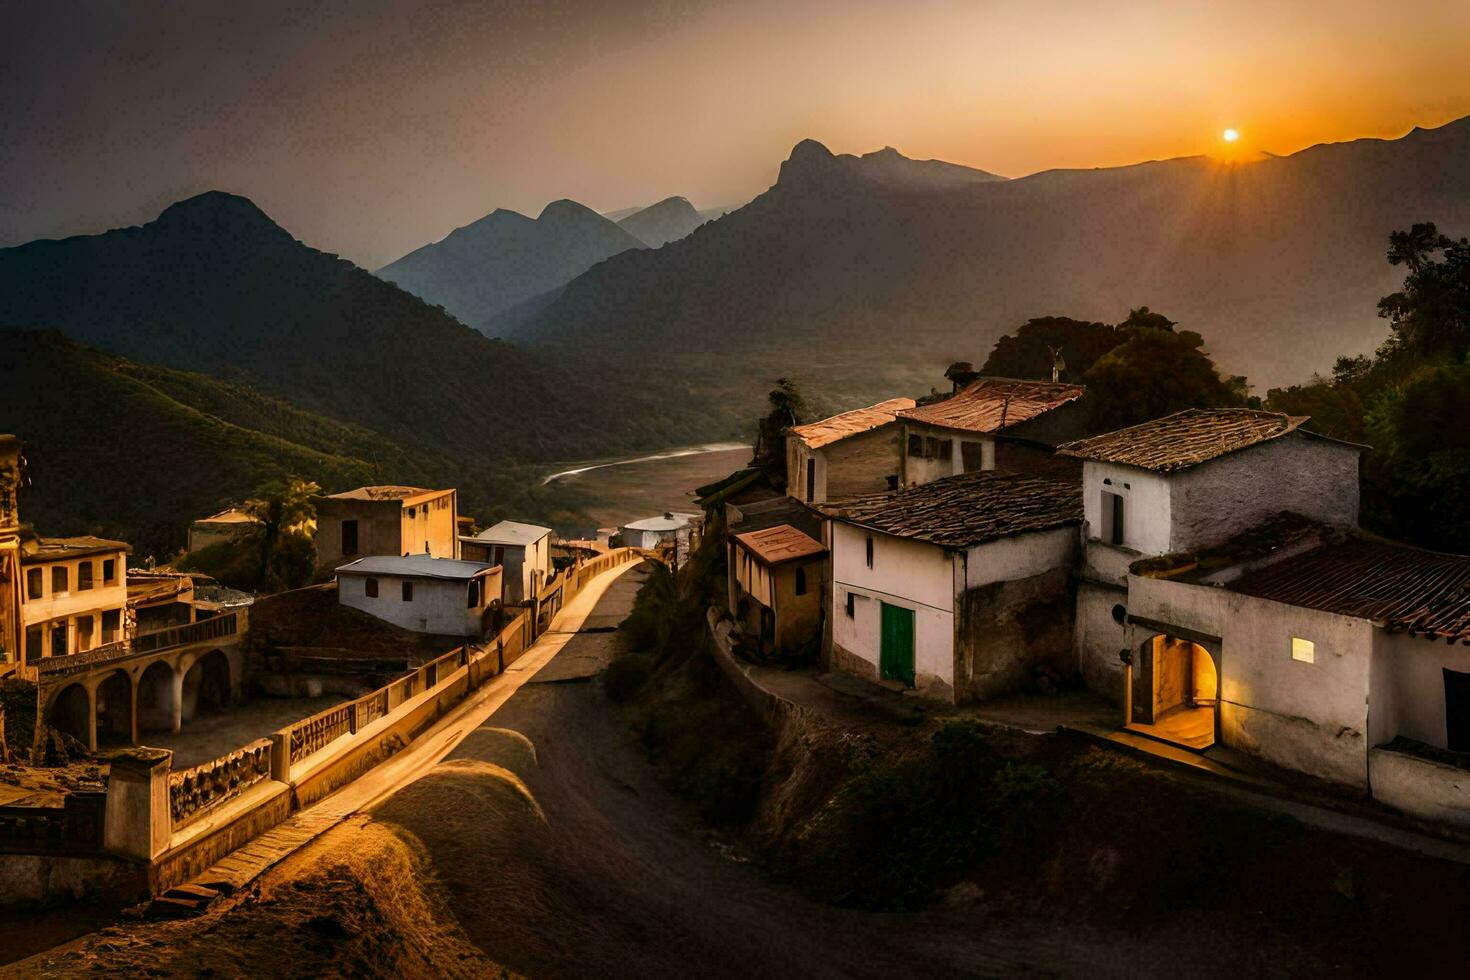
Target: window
[(851, 605), (371, 586), (111, 620), (58, 639), (84, 576), (1303, 650), (109, 571), (474, 597), (35, 644), (349, 537), (870, 551), (811, 479), (408, 592), (1112, 518), (801, 581), (33, 583), (944, 449), (58, 579), (84, 632), (916, 446), (972, 456)]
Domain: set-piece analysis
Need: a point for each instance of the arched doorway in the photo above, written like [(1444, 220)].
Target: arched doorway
[(156, 698), (1174, 692), (115, 708), (71, 712), (207, 686)]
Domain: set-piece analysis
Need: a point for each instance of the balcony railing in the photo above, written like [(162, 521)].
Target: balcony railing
[(158, 640)]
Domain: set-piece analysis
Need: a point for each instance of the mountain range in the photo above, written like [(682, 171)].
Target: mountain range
[(856, 272), (246, 316), (505, 258)]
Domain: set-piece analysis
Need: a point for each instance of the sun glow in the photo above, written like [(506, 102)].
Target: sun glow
[(1230, 135)]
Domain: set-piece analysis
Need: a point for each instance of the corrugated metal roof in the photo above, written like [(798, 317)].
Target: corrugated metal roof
[(383, 493), (818, 434), (963, 511), (417, 566), (1404, 588), (993, 404), (1185, 439), (782, 543), (513, 532)]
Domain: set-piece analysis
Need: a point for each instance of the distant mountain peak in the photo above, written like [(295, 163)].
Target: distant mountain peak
[(215, 211), (566, 210), (667, 221), (810, 161)]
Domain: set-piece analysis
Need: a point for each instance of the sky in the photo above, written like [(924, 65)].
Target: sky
[(368, 128)]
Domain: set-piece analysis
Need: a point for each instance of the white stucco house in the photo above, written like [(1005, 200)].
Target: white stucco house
[(959, 588), (1186, 481), (851, 453), (991, 423), (654, 531), (422, 593), (522, 550)]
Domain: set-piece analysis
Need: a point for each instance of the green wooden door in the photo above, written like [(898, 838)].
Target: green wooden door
[(896, 655)]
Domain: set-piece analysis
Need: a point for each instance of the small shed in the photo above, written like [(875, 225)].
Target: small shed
[(422, 593), (776, 581), (522, 550), (227, 526), (654, 531)]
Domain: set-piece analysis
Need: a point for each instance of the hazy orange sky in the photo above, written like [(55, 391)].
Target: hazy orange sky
[(368, 128)]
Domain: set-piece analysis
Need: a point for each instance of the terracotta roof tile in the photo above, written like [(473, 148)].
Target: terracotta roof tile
[(963, 511), (1184, 439), (782, 543), (1422, 592), (992, 404), (818, 434)]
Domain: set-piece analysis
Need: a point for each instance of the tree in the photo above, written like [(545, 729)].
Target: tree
[(1156, 371), (287, 520), (1430, 315), (785, 409), (1028, 353)]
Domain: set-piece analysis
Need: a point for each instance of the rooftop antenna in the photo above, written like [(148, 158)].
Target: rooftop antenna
[(1058, 364)]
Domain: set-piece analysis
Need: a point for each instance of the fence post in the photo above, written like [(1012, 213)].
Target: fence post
[(138, 822), (354, 717), (281, 755)]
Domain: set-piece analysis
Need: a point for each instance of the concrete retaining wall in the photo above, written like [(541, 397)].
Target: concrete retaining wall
[(1421, 787)]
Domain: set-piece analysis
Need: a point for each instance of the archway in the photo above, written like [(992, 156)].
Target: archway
[(156, 698), (71, 712), (207, 686), (115, 708), (1174, 692)]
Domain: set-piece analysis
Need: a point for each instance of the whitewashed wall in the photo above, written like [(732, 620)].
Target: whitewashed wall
[(438, 606), (1408, 686), (1146, 505)]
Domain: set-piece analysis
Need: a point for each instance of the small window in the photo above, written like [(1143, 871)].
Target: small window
[(349, 537), (1112, 518), (916, 446), (84, 633), (109, 571), (811, 480), (474, 595), (945, 449), (84, 576), (111, 621), (35, 643), (33, 583), (1303, 650), (58, 639), (408, 592), (58, 579), (372, 588), (870, 551), (801, 581), (851, 605)]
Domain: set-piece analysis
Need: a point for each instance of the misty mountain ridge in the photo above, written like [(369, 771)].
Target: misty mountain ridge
[(669, 220), (1279, 262)]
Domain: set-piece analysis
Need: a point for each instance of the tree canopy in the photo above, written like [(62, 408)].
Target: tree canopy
[(785, 408), (1155, 372)]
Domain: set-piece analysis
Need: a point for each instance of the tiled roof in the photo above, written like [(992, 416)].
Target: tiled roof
[(1422, 592), (818, 434), (383, 493), (963, 511), (782, 543), (993, 404), (1184, 439), (53, 549)]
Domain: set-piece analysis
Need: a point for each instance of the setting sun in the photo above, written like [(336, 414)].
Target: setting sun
[(1230, 135)]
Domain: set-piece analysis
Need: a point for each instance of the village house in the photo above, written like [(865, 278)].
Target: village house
[(12, 475), (422, 593), (386, 521), (522, 550), (959, 588), (651, 532), (74, 595), (992, 423), (776, 587), (851, 453), (225, 527), (1187, 481), (1320, 649)]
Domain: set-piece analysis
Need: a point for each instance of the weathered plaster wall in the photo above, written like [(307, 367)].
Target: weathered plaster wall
[(1010, 628), (1219, 499), (438, 605), (798, 617), (1408, 687), (1312, 717), (1421, 787), (860, 464), (1146, 505), (431, 527), (1098, 637), (379, 529)]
